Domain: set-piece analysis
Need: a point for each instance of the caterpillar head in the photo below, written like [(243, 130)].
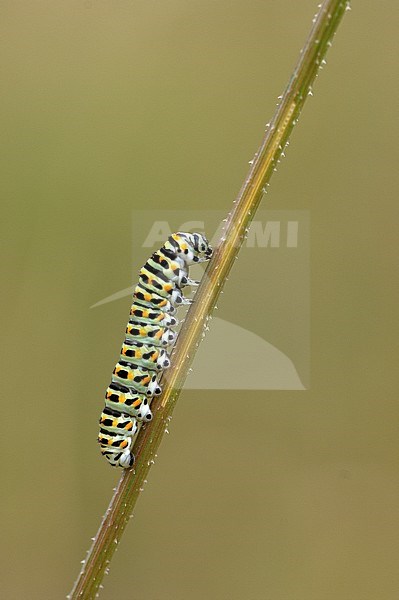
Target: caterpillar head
[(190, 247)]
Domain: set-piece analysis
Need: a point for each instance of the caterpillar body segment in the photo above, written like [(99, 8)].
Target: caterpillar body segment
[(151, 357), (121, 398), (149, 333), (143, 314), (161, 266), (116, 437), (150, 299), (113, 423), (169, 293), (171, 269), (140, 379), (118, 457)]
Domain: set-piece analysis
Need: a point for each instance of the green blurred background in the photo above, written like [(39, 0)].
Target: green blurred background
[(113, 105)]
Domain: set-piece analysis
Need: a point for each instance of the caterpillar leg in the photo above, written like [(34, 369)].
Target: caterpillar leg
[(142, 408), (126, 459), (134, 404), (192, 282), (186, 301)]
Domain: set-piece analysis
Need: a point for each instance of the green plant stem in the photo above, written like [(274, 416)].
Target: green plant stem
[(233, 235)]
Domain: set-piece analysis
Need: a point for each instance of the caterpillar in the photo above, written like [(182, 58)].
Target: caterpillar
[(145, 350)]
